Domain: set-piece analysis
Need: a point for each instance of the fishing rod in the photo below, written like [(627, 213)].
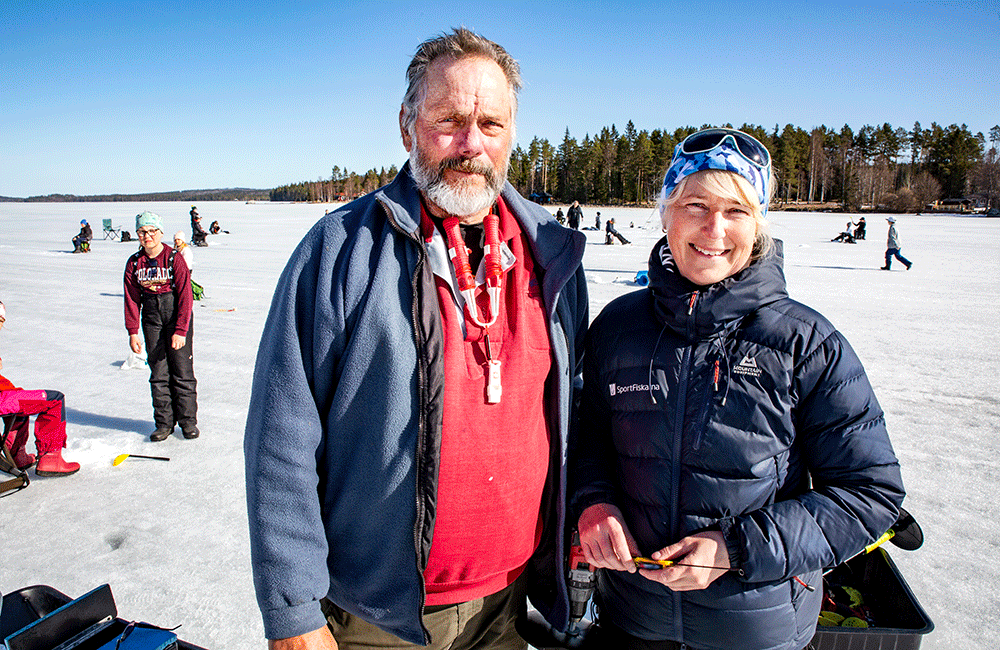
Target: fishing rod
[(122, 457)]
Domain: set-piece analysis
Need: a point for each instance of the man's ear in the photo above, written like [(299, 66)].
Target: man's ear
[(407, 143)]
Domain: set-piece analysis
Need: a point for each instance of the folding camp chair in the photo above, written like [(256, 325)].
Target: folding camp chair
[(111, 231), (7, 464)]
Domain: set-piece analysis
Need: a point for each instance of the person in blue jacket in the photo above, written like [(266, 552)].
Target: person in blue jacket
[(724, 428), (407, 426)]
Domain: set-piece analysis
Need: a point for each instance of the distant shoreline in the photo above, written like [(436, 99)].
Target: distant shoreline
[(227, 194), (790, 206), (244, 195)]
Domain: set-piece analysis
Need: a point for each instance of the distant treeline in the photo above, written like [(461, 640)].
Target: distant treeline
[(342, 185), (231, 194), (875, 166), (884, 167), (894, 168)]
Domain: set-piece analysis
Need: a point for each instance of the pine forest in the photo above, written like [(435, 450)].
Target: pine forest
[(876, 167)]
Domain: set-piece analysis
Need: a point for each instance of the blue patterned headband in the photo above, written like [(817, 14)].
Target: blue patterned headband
[(729, 153)]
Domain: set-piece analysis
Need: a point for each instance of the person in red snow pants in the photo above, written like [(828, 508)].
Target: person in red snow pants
[(50, 424)]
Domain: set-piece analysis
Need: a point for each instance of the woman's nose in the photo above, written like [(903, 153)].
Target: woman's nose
[(715, 224)]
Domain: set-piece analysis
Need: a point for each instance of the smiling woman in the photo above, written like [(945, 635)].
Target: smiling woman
[(711, 226), (755, 454)]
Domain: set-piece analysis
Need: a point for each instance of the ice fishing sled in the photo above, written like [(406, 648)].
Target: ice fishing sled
[(42, 618)]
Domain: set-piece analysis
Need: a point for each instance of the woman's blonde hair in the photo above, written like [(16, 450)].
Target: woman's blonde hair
[(731, 187)]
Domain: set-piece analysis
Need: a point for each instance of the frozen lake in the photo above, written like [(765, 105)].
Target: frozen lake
[(171, 538)]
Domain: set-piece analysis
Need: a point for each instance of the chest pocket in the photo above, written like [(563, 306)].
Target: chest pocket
[(748, 418)]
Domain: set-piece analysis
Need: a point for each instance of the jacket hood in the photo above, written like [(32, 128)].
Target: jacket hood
[(695, 312)]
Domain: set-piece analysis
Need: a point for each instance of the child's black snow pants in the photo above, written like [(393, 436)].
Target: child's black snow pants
[(171, 372)]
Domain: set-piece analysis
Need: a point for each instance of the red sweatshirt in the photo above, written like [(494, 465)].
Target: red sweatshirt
[(145, 275), (494, 457)]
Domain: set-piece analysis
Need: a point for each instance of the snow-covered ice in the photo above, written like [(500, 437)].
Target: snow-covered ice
[(170, 537)]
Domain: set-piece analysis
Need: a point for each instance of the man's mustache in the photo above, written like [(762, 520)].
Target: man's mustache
[(466, 165)]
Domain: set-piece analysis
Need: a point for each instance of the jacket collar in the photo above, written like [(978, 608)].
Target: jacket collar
[(552, 245), (696, 312)]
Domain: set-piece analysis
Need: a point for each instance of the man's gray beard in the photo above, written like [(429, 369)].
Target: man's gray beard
[(460, 200)]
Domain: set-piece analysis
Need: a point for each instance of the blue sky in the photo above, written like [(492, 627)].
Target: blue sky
[(131, 97)]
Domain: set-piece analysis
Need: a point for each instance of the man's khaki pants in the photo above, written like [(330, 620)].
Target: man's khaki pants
[(482, 624)]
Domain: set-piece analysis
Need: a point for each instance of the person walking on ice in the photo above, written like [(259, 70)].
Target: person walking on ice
[(892, 247)]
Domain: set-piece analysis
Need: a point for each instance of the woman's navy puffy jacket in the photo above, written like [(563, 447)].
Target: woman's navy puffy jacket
[(736, 408)]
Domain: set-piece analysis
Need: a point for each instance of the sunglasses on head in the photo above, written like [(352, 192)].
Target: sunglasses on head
[(747, 146)]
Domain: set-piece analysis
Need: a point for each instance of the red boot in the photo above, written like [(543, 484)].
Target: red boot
[(52, 464), (22, 459)]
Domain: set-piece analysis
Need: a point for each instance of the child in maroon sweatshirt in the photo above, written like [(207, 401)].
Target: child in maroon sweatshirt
[(158, 297)]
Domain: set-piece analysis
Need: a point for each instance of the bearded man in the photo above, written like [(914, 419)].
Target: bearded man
[(405, 441)]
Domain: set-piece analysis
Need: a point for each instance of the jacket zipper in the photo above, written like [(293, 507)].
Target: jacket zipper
[(422, 421), (676, 466), (696, 442), (701, 423)]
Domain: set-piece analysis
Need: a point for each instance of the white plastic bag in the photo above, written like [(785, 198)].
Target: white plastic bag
[(134, 360)]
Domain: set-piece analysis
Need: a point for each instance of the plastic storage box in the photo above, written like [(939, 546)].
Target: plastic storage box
[(35, 618), (900, 619)]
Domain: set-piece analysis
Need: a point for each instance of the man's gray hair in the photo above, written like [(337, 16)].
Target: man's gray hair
[(461, 43)]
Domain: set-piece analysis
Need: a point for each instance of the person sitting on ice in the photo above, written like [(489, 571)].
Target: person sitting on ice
[(81, 243), (846, 236), (610, 232), (50, 424), (215, 228), (859, 230)]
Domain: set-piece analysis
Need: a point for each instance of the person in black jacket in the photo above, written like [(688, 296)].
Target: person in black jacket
[(81, 243), (610, 232), (724, 429), (859, 230), (573, 215), (198, 234)]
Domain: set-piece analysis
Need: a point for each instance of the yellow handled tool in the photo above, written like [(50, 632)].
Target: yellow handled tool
[(121, 458)]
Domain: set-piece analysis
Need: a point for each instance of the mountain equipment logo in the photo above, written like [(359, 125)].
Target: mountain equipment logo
[(748, 367)]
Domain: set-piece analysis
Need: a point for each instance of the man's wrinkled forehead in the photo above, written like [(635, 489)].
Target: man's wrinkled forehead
[(471, 80), (469, 83)]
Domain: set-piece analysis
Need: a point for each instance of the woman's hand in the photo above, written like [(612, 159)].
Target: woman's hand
[(605, 539), (177, 341), (135, 343), (705, 549)]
